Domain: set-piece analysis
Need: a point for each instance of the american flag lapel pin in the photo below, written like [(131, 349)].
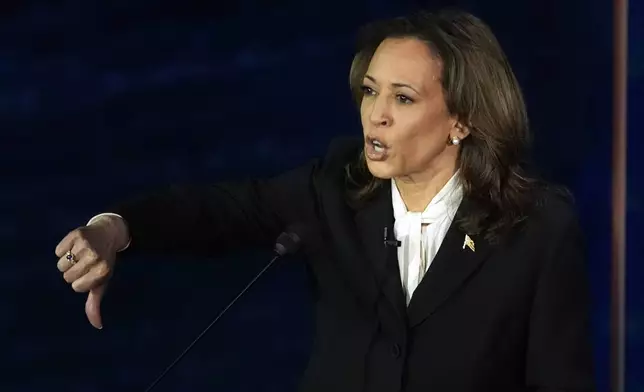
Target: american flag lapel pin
[(469, 243)]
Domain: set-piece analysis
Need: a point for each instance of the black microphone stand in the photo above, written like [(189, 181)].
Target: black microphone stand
[(287, 242)]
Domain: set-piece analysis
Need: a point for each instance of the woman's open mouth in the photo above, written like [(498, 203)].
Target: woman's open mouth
[(375, 149)]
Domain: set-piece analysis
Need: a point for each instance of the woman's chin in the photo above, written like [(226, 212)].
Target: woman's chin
[(381, 170)]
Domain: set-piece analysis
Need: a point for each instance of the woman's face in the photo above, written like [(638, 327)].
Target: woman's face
[(405, 120)]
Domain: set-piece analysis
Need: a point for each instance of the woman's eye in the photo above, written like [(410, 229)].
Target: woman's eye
[(404, 99), (367, 90)]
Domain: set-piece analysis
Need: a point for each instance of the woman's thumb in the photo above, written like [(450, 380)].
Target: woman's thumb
[(93, 306)]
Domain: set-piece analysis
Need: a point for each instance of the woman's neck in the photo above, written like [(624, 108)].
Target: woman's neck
[(417, 191)]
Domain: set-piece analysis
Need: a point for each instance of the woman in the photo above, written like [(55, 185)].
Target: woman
[(440, 264)]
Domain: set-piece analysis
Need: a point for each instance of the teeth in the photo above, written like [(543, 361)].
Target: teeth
[(376, 143), (378, 148)]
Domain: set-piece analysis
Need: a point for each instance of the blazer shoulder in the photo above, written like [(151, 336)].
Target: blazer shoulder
[(554, 215), (555, 205), (342, 150)]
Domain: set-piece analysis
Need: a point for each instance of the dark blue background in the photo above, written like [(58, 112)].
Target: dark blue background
[(101, 100)]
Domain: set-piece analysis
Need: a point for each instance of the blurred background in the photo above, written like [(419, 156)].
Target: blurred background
[(102, 100)]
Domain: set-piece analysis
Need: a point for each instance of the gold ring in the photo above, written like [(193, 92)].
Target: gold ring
[(70, 257)]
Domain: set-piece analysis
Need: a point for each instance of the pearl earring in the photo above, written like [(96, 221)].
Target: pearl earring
[(455, 141)]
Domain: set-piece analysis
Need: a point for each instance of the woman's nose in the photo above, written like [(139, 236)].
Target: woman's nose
[(380, 113)]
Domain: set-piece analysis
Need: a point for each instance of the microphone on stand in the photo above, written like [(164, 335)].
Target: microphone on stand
[(287, 243)]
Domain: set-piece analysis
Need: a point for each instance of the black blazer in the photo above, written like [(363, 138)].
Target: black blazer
[(510, 317)]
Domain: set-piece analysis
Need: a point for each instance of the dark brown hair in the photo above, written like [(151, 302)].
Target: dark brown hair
[(482, 92)]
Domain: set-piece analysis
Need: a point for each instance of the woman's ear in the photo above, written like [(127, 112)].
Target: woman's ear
[(458, 133), (461, 131)]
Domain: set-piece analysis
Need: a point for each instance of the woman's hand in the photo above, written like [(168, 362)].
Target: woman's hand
[(86, 259)]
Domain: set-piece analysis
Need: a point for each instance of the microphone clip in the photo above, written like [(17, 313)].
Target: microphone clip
[(394, 243)]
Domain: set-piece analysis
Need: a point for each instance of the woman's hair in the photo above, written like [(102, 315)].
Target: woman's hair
[(480, 91)]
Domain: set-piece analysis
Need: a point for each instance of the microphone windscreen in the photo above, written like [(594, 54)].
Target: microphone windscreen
[(289, 241)]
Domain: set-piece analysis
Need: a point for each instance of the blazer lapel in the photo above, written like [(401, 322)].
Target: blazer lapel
[(372, 219), (453, 264)]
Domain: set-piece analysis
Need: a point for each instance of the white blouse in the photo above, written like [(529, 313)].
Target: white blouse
[(421, 233)]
